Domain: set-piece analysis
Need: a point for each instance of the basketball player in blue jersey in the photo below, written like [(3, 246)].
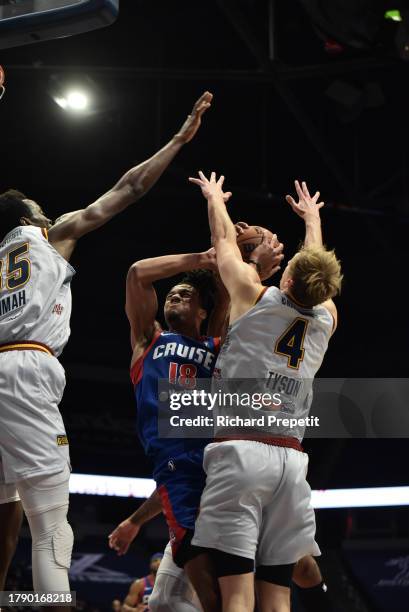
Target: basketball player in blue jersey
[(35, 307), (140, 590), (179, 355)]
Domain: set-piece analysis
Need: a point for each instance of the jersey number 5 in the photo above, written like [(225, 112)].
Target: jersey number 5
[(18, 268), (291, 343)]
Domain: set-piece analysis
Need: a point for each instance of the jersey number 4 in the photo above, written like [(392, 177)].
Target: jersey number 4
[(184, 375), (18, 268), (291, 343)]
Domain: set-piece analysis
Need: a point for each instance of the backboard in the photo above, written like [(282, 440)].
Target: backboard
[(24, 22)]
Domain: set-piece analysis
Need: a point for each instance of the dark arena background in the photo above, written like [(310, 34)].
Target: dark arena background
[(302, 89)]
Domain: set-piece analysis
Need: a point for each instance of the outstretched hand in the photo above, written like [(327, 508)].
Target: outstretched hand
[(306, 205), (211, 187), (193, 121)]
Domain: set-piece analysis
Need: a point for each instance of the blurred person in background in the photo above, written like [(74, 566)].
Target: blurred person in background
[(141, 589)]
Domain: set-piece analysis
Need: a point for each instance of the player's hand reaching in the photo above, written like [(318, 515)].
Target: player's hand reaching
[(211, 187), (268, 256), (306, 206), (122, 536), (193, 121)]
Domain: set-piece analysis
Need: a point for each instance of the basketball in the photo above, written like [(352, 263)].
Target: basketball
[(250, 239)]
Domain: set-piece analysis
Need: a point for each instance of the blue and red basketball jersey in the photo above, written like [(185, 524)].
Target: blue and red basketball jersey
[(179, 359)]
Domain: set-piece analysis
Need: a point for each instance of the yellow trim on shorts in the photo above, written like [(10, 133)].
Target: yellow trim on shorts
[(25, 346)]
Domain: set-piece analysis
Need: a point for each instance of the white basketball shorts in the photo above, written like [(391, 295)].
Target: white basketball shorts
[(256, 503), (32, 433)]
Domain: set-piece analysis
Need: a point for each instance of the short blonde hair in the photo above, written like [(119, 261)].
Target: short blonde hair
[(316, 275)]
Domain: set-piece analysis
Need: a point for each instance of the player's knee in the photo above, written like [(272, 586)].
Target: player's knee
[(161, 599), (63, 541), (158, 603), (171, 594), (307, 573), (59, 539)]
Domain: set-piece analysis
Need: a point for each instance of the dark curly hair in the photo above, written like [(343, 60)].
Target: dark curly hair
[(205, 284), (12, 208)]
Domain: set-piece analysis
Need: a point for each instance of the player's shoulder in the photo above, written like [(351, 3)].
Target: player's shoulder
[(24, 232), (135, 592), (41, 233), (325, 311), (268, 293), (137, 585), (329, 313)]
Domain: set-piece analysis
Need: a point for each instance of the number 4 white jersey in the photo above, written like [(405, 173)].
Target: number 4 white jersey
[(281, 343), (275, 335), (35, 294)]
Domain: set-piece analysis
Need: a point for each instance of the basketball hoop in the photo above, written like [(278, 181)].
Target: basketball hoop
[(2, 77)]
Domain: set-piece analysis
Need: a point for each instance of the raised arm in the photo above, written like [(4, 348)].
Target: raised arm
[(240, 279), (308, 208), (129, 189), (141, 301), (218, 320), (237, 276)]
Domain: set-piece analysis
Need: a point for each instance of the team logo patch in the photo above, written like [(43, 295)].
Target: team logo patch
[(58, 308), (171, 465), (62, 440)]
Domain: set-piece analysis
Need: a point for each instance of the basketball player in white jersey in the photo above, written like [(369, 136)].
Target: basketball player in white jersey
[(256, 506), (35, 307)]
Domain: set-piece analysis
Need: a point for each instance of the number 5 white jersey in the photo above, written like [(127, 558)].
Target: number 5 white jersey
[(281, 343), (35, 295)]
